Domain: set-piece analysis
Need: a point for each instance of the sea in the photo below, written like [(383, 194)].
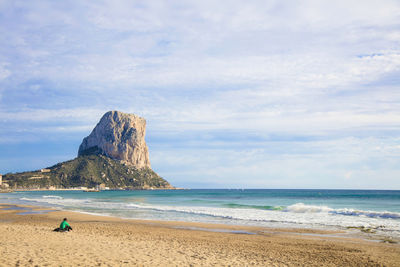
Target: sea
[(377, 210)]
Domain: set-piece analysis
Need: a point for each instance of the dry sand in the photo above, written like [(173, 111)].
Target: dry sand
[(28, 240)]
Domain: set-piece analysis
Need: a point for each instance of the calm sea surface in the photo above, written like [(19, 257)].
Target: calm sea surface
[(276, 208)]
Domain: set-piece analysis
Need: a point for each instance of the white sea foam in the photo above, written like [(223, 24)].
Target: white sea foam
[(309, 216), (297, 214), (302, 208), (57, 201), (51, 196)]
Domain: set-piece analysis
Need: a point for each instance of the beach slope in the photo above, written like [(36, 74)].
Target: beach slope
[(28, 240)]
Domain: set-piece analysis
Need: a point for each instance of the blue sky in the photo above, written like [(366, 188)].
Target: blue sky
[(236, 94)]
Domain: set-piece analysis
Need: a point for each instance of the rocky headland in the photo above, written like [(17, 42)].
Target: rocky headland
[(119, 136), (114, 155)]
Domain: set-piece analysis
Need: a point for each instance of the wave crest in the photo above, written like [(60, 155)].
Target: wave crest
[(53, 197), (259, 207), (302, 208)]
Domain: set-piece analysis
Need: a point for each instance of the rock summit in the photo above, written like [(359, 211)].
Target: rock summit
[(119, 136)]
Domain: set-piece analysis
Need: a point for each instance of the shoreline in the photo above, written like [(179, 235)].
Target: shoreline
[(22, 208), (363, 233), (114, 241)]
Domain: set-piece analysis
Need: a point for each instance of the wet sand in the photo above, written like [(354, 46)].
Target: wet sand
[(28, 240)]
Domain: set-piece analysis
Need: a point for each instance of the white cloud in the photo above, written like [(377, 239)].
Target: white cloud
[(285, 165), (206, 43), (318, 69), (4, 72), (50, 115)]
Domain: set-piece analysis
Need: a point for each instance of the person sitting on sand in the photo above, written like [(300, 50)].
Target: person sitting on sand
[(64, 226)]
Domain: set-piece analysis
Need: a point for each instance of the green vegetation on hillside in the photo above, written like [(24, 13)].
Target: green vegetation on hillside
[(88, 171)]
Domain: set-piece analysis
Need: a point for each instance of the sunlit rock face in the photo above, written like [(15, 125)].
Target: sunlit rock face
[(119, 136)]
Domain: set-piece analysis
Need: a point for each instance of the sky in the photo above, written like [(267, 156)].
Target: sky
[(236, 94)]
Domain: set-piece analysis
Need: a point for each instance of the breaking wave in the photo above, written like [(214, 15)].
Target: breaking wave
[(298, 214), (302, 208), (54, 197)]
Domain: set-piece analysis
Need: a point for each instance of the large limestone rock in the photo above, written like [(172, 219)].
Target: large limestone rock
[(119, 136)]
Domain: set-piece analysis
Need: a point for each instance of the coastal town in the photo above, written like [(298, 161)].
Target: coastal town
[(4, 187)]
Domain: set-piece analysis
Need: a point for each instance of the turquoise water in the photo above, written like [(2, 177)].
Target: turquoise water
[(276, 208)]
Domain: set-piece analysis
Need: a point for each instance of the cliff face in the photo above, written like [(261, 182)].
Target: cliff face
[(118, 136)]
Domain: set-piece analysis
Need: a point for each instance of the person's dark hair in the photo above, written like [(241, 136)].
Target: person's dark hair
[(65, 219)]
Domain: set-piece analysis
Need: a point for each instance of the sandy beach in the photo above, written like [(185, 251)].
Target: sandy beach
[(28, 240)]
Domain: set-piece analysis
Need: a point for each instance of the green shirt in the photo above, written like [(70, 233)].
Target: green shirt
[(64, 224)]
